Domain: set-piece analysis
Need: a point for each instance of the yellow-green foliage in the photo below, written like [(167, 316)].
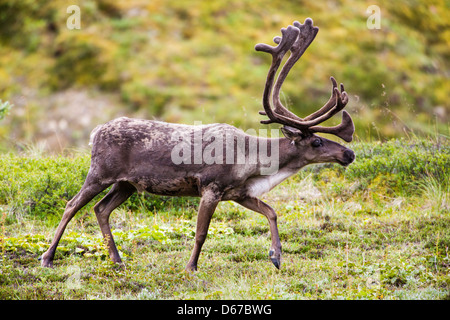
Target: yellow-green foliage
[(194, 60)]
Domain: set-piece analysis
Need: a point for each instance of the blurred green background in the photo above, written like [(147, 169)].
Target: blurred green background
[(186, 61)]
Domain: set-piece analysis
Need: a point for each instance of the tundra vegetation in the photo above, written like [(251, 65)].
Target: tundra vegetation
[(378, 229)]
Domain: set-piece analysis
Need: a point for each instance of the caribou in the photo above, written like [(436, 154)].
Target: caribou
[(134, 155)]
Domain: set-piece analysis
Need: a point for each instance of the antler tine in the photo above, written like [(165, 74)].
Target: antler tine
[(344, 130), (289, 35), (330, 103), (329, 110)]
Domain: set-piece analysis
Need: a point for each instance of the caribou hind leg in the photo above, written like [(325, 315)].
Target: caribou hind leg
[(118, 194), (90, 189)]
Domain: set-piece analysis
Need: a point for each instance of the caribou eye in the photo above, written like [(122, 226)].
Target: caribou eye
[(317, 143)]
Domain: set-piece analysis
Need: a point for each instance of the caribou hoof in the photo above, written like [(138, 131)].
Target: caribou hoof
[(275, 258), (191, 268), (47, 263)]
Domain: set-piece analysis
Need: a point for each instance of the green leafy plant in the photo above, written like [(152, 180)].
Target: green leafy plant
[(5, 107)]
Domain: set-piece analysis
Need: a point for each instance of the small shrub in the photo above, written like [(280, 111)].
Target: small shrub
[(393, 166), (84, 59)]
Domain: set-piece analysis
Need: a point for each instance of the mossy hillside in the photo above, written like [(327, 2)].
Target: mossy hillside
[(195, 61)]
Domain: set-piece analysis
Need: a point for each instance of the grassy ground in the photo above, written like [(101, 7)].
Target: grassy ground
[(379, 229)]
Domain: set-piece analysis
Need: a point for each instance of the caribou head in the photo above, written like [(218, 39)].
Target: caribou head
[(296, 39)]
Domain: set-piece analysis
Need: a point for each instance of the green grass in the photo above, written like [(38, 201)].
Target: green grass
[(379, 229)]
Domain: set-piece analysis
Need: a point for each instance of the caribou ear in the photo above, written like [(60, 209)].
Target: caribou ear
[(292, 134)]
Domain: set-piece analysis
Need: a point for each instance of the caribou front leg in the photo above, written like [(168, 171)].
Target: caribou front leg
[(208, 204), (266, 210)]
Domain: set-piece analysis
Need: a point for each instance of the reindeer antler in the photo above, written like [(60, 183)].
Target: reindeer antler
[(289, 36), (297, 39)]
